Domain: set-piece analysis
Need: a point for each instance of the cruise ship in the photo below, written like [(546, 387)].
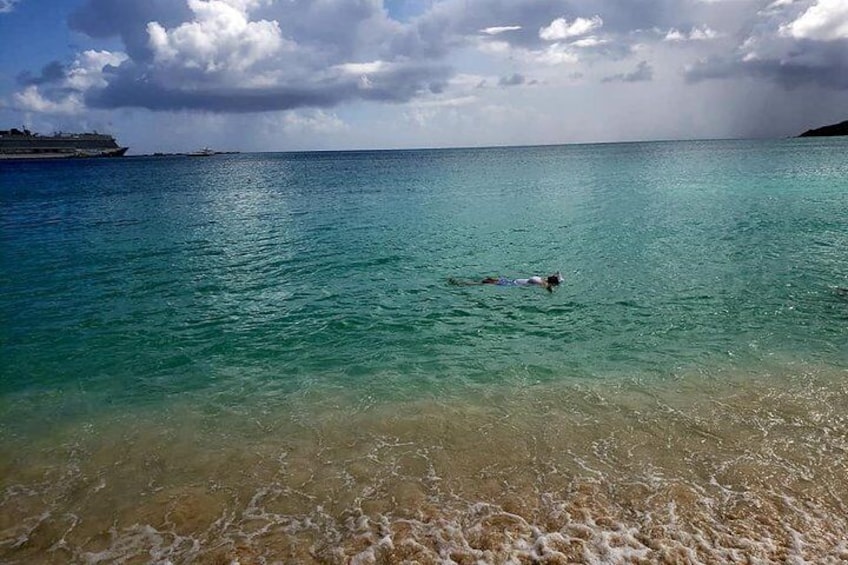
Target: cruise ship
[(23, 144)]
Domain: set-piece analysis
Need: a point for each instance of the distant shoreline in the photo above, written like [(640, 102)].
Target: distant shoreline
[(832, 130), (189, 154)]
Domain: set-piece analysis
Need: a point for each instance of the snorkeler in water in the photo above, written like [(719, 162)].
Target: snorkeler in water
[(548, 283)]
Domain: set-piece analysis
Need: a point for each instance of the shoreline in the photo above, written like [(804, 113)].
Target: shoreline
[(721, 468)]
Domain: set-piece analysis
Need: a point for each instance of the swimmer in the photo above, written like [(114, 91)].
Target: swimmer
[(548, 283)]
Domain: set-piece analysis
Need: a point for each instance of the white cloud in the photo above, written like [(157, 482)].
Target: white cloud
[(749, 49), (556, 54), (31, 100), (87, 70), (220, 39), (497, 30), (702, 33), (776, 7), (559, 53), (675, 35), (85, 73), (363, 68), (826, 20), (550, 54), (560, 29), (779, 4), (590, 41)]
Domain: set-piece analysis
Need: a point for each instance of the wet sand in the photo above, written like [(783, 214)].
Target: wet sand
[(737, 467)]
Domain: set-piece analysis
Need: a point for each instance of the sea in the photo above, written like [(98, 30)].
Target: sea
[(287, 357)]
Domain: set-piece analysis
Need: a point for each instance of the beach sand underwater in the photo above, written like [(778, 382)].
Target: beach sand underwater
[(724, 468)]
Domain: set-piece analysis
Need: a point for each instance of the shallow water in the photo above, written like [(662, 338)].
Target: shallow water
[(690, 469), (259, 357)]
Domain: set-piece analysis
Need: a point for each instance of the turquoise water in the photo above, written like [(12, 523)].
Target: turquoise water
[(167, 291), (144, 277)]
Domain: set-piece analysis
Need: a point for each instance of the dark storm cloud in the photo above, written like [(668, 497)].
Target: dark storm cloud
[(807, 62), (131, 87), (127, 19), (52, 72), (643, 73), (831, 72), (129, 93)]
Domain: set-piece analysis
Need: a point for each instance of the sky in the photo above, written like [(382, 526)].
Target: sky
[(290, 75)]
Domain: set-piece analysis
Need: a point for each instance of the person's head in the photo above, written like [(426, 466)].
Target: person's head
[(553, 281)]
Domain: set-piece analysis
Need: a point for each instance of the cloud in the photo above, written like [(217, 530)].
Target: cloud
[(364, 68), (643, 73), (61, 90), (497, 30), (91, 69), (702, 33), (313, 121), (831, 73), (398, 83), (560, 28), (777, 5), (515, 79), (7, 6), (450, 25), (590, 41), (220, 38), (31, 100), (127, 20), (555, 54), (51, 72), (257, 55), (422, 113), (826, 20), (791, 44), (244, 56)]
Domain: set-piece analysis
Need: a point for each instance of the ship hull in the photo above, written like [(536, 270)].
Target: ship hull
[(62, 155)]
